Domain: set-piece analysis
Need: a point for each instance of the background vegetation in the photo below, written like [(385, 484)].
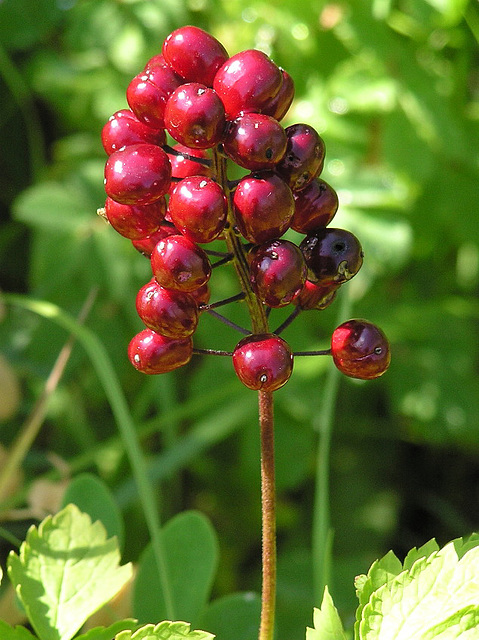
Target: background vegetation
[(393, 87)]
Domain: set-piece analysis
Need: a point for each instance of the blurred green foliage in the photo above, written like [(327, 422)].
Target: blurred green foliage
[(393, 87)]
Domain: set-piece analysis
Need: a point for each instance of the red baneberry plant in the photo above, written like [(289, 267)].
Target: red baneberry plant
[(170, 199)]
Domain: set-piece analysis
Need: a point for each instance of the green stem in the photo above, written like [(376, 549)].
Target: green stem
[(32, 425), (109, 380), (23, 97), (322, 534)]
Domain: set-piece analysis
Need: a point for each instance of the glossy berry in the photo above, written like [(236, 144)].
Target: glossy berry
[(198, 208), (332, 255), (315, 296), (314, 206), (178, 263), (147, 244), (170, 312), (123, 129), (182, 166), (135, 221), (194, 54), (255, 141), (156, 61), (195, 116), (247, 81), (263, 362), (304, 157), (360, 350), (277, 272), (264, 206), (138, 174), (148, 92), (279, 105), (152, 353), (201, 295)]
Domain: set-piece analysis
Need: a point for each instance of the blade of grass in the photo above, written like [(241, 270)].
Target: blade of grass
[(114, 393), (32, 425), (322, 533)]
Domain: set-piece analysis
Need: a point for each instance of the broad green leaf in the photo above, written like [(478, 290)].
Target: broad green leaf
[(53, 206), (65, 571), (92, 496), (165, 630), (14, 633), (191, 551), (437, 596), (233, 617), (381, 572), (327, 623), (423, 552), (107, 633)]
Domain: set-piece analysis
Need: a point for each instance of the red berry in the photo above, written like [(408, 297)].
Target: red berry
[(264, 206), (277, 272), (247, 81), (304, 157), (263, 361), (135, 221), (170, 312), (152, 353), (255, 141), (148, 92), (138, 174), (195, 116), (194, 54), (202, 295), (178, 263), (146, 245), (360, 350), (123, 129), (315, 296), (332, 256), (155, 61), (198, 208), (314, 206), (279, 105)]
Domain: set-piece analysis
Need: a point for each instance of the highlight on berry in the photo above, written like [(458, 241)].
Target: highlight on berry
[(195, 112)]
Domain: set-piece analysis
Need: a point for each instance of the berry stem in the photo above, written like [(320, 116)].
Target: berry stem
[(236, 248), (229, 323), (220, 303), (268, 513), (288, 321), (175, 152)]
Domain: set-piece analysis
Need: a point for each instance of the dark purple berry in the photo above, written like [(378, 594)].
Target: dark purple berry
[(332, 256)]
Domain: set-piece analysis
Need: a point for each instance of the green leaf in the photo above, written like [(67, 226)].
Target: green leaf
[(65, 571), (55, 207), (191, 551), (233, 617), (165, 630), (380, 573), (16, 633), (107, 633), (436, 597), (327, 623), (92, 496), (423, 552)]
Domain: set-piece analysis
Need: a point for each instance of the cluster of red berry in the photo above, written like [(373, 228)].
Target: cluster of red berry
[(168, 200)]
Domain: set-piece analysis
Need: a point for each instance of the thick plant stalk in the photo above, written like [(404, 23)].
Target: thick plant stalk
[(259, 324), (268, 515)]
